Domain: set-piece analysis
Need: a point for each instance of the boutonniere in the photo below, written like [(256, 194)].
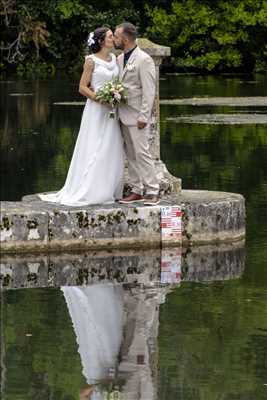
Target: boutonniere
[(130, 67)]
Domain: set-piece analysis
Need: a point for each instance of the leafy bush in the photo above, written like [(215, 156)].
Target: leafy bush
[(206, 35), (213, 35), (54, 32)]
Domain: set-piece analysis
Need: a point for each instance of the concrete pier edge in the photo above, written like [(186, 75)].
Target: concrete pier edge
[(35, 226)]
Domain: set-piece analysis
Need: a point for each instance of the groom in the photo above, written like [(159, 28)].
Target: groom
[(138, 74)]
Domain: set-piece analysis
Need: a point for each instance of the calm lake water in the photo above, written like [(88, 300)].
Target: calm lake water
[(203, 339)]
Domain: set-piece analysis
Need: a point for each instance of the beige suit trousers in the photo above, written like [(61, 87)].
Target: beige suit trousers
[(141, 167)]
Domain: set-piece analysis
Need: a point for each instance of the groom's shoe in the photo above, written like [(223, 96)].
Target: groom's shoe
[(151, 200), (132, 198)]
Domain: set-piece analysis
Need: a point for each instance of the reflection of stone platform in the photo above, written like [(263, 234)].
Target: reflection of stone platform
[(33, 225), (206, 263)]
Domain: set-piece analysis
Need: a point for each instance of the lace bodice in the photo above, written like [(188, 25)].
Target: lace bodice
[(104, 71)]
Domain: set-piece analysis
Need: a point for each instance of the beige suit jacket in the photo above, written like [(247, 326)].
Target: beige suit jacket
[(139, 78)]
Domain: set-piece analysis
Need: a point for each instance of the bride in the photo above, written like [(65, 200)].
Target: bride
[(96, 170)]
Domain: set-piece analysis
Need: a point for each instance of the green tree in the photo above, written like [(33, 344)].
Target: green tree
[(213, 35), (38, 37), (54, 33)]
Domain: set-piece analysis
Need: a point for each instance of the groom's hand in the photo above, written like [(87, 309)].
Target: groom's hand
[(141, 124)]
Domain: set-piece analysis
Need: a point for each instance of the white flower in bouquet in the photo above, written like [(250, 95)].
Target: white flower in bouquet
[(112, 93)]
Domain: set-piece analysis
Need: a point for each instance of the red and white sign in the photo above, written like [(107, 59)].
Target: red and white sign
[(171, 223)]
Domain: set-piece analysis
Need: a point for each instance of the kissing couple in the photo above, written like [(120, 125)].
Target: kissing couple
[(96, 171)]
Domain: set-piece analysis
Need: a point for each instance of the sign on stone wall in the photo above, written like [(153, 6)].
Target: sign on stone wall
[(171, 231), (171, 224)]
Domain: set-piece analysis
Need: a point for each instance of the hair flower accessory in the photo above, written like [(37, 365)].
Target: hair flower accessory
[(91, 39)]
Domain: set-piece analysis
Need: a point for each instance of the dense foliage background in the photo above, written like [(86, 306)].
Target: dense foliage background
[(205, 35)]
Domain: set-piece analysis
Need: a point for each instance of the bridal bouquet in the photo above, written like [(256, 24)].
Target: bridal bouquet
[(113, 93)]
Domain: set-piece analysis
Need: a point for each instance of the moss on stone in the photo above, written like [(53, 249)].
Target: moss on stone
[(32, 224), (119, 216), (50, 234), (132, 222), (186, 234), (145, 43), (6, 224), (83, 221), (83, 276), (116, 217), (93, 223), (7, 280), (32, 277), (102, 218)]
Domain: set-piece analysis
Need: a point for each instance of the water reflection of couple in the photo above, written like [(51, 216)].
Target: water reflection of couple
[(97, 316), (115, 329), (96, 171)]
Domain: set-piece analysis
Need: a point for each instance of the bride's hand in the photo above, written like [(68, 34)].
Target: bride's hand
[(85, 394), (93, 96)]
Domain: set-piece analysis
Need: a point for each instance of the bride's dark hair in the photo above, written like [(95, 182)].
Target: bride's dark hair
[(98, 39)]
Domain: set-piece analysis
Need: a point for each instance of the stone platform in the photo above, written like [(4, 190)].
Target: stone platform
[(35, 226)]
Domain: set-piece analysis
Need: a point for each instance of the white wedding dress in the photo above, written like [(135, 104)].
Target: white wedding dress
[(95, 174)]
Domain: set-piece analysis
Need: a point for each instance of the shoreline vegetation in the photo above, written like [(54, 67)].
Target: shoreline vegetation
[(42, 38)]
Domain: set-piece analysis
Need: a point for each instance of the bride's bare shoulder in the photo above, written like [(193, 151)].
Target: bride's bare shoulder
[(89, 62)]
